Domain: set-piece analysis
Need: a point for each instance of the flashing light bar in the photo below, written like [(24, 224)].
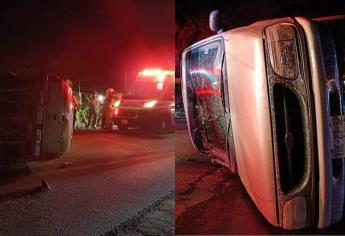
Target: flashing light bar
[(158, 73)]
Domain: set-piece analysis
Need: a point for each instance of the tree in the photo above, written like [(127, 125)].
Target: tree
[(190, 30)]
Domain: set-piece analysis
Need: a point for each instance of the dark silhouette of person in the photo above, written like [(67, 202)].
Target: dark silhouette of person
[(92, 111)]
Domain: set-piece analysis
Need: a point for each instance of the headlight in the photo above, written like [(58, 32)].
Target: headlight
[(100, 98), (283, 51), (150, 104), (117, 103)]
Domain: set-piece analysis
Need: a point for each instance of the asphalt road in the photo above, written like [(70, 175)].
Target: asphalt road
[(210, 200), (103, 180)]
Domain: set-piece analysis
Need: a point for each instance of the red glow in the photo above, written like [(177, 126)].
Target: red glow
[(116, 112), (207, 92), (158, 73)]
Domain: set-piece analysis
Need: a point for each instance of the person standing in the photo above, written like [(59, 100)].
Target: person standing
[(108, 109), (75, 102), (92, 112), (76, 107)]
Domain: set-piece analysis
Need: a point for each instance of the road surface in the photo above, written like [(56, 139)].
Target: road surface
[(210, 200), (103, 180)]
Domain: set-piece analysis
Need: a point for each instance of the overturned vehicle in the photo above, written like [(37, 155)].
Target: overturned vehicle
[(266, 101), (36, 120)]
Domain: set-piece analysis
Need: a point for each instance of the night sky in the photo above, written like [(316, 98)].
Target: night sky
[(192, 15), (94, 42), (244, 12)]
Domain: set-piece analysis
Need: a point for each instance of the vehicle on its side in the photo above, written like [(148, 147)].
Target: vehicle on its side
[(150, 104), (36, 119), (266, 101)]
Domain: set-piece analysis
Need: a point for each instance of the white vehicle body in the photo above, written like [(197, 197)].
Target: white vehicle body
[(277, 117)]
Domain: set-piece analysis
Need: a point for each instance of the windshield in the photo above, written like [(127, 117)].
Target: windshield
[(145, 89)]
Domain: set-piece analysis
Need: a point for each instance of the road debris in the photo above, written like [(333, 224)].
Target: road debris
[(45, 185)]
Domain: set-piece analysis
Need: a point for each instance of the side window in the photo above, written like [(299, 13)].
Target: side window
[(205, 91), (205, 69)]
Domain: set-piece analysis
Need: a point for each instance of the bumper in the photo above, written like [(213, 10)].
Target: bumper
[(139, 118), (331, 190)]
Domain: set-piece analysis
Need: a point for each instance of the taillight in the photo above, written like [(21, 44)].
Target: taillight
[(116, 111)]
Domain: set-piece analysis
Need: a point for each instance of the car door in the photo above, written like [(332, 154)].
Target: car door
[(206, 99)]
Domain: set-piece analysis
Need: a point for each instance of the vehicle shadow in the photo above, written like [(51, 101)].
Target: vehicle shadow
[(15, 181), (10, 172)]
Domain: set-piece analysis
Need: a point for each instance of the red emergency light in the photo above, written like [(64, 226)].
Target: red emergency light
[(159, 74), (205, 92)]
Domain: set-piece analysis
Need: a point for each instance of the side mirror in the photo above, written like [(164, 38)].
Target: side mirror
[(216, 21)]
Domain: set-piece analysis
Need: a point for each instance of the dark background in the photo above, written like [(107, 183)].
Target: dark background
[(192, 15), (95, 42)]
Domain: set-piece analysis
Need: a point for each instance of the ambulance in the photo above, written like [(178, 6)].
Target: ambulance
[(149, 104)]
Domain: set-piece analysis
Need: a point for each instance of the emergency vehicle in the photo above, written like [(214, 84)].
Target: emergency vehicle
[(36, 119), (150, 103), (265, 100)]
